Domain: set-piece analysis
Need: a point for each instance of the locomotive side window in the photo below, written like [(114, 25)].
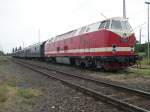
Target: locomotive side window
[(93, 27), (116, 25), (82, 30), (87, 30), (102, 25), (107, 24)]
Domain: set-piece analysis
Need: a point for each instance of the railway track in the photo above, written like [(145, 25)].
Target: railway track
[(131, 100)]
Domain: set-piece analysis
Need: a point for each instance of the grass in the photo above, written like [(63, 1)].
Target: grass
[(144, 70), (138, 71), (3, 60), (14, 97), (7, 91), (28, 93), (144, 62), (3, 95), (135, 71)]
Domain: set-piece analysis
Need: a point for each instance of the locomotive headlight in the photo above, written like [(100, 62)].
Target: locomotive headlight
[(113, 48), (132, 48)]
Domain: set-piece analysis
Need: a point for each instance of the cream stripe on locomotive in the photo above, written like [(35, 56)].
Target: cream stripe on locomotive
[(102, 49)]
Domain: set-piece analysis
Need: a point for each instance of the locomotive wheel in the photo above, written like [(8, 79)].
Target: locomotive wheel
[(82, 65)]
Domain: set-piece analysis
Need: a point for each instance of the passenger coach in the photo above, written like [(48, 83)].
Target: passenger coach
[(32, 51)]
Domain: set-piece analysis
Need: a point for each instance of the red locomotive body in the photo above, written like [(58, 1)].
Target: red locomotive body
[(108, 44)]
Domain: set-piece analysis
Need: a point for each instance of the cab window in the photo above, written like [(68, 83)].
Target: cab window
[(116, 25), (126, 27)]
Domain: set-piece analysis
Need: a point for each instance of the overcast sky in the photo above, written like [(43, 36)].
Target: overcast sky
[(20, 20)]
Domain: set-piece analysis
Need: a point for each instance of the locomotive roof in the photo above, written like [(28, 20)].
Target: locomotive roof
[(116, 18), (78, 31)]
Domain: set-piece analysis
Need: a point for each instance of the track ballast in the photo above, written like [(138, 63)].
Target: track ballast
[(125, 98)]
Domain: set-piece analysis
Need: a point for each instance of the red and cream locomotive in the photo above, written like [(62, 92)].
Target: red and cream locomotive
[(108, 44)]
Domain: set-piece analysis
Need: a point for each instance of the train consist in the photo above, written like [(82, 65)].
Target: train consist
[(108, 44)]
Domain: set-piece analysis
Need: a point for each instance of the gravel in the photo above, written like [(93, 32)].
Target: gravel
[(135, 81), (55, 96), (110, 91)]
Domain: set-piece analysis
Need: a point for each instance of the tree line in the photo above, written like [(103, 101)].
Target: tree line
[(16, 49)]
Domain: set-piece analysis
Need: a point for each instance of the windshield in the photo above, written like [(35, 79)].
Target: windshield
[(126, 27), (116, 25), (121, 26)]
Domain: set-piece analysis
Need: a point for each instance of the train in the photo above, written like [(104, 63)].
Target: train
[(107, 44)]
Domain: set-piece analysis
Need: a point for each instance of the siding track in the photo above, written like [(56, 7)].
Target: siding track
[(130, 100)]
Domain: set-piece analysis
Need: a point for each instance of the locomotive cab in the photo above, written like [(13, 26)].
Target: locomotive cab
[(121, 27), (118, 26)]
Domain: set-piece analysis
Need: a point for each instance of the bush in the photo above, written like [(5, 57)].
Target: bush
[(141, 49)]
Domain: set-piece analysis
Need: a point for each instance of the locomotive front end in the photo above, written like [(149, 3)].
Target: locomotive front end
[(122, 40)]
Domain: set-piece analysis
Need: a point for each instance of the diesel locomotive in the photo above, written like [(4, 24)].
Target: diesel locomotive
[(107, 44)]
